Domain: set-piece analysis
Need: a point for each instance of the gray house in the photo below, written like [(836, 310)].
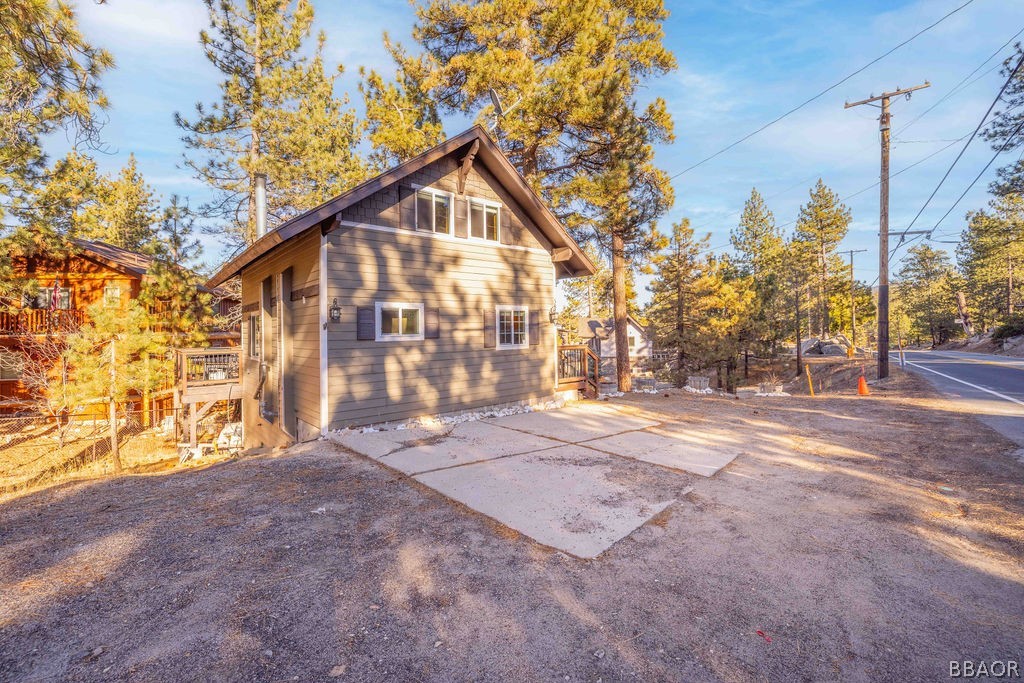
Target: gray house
[(428, 289), (600, 336)]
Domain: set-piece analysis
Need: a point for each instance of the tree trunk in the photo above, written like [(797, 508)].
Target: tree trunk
[(114, 453), (799, 341), (623, 376), (825, 327), (680, 317), (256, 136), (1009, 286)]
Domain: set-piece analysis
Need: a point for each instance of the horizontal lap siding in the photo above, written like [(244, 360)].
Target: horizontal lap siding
[(378, 381), (303, 256)]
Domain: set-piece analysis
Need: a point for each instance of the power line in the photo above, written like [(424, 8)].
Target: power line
[(1001, 149), (966, 145), (952, 91), (822, 93)]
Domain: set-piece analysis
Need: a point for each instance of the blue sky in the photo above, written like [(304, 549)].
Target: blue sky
[(741, 64)]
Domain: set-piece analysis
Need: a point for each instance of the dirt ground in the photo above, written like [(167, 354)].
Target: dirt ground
[(877, 538)]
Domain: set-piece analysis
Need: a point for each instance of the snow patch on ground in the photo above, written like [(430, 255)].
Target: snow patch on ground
[(772, 393), (706, 392)]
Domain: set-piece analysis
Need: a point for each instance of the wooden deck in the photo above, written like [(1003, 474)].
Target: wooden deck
[(204, 377), (579, 368)]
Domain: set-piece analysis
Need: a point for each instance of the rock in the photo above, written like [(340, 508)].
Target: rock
[(437, 643), (833, 350), (268, 653), (375, 607), (97, 652), (337, 671), (599, 654)]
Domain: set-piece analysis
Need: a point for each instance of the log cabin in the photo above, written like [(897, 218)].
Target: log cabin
[(57, 294), (426, 290)]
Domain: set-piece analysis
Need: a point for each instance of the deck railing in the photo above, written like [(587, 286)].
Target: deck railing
[(206, 367), (579, 368), (39, 321)]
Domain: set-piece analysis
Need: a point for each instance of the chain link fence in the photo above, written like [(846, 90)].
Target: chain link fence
[(41, 449)]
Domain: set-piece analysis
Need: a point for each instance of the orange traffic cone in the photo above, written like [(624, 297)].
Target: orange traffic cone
[(862, 387)]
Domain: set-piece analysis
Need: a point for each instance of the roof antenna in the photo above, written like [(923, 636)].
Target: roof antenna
[(500, 111)]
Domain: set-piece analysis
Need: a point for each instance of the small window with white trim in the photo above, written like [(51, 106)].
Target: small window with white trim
[(434, 211), (399, 321), (255, 335), (513, 327), (484, 219)]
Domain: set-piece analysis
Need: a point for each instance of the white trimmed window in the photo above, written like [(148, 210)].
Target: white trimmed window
[(112, 296), (484, 219), (512, 323), (434, 211), (397, 321), (255, 335)]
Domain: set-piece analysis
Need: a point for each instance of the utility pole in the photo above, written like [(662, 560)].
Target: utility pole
[(884, 126), (853, 298)]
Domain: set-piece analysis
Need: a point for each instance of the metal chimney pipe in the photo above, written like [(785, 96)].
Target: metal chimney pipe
[(261, 204)]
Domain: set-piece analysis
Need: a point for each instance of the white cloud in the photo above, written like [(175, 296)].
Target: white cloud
[(144, 24)]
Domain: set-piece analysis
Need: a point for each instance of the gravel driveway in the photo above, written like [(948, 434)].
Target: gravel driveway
[(875, 539)]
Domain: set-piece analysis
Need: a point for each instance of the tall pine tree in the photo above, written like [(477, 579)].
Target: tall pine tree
[(567, 76), (277, 115), (821, 226)]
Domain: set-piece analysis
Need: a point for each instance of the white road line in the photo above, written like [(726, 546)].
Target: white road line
[(974, 386)]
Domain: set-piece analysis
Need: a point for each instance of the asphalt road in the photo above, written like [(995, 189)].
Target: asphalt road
[(992, 387)]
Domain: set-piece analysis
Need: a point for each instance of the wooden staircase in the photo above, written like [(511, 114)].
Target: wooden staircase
[(579, 368)]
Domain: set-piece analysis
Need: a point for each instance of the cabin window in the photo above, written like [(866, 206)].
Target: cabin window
[(12, 366), (632, 342), (255, 335), (483, 220), (112, 296), (434, 211), (399, 321), (513, 327)]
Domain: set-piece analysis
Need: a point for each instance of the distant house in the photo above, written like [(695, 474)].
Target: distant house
[(96, 272), (428, 289), (599, 335)]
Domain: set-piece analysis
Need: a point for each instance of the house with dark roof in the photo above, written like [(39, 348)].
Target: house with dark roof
[(429, 289)]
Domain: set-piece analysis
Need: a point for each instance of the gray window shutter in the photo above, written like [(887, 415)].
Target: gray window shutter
[(461, 217), (490, 333), (431, 323), (507, 233), (366, 323), (534, 328), (407, 207)]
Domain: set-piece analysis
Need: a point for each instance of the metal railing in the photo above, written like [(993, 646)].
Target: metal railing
[(206, 367), (39, 321), (579, 367)]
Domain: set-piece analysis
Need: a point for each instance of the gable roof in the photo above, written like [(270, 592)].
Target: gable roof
[(130, 262), (118, 258), (488, 153)]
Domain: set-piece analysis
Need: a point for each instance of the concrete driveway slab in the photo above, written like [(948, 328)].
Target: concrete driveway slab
[(466, 443), (380, 443), (575, 423), (668, 449), (561, 497)]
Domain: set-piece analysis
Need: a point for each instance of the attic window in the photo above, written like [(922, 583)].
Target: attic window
[(483, 220), (434, 211)]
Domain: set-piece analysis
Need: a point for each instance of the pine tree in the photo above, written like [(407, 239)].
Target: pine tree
[(568, 75), (172, 290), (822, 225), (672, 293), (991, 259), (277, 115), (926, 289), (758, 244), (122, 212), (50, 81), (401, 118), (1005, 126)]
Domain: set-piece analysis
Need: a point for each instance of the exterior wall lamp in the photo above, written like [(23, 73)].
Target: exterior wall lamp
[(553, 313), (335, 311)]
